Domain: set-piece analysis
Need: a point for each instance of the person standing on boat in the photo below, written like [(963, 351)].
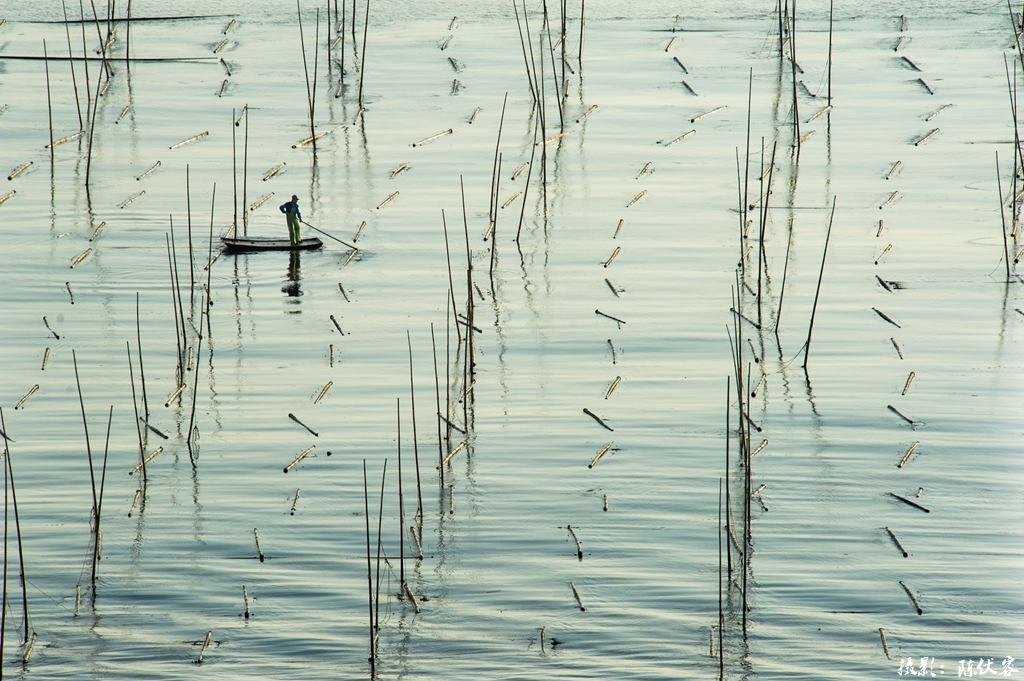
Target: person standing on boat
[(292, 217)]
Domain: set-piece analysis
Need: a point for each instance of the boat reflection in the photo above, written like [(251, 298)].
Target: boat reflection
[(291, 288)]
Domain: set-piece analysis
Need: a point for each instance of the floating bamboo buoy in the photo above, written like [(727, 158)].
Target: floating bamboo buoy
[(245, 599), (416, 538), (597, 418), (899, 43), (506, 204), (881, 225), (885, 644), (892, 170), (135, 502), (759, 448), (453, 23), (294, 418), (615, 358), (28, 650), (884, 283), (643, 170), (323, 392), (897, 412), (606, 502), (608, 316), (576, 595), (387, 200), (636, 198), (822, 111), (909, 379), (148, 172), (882, 254), (926, 138), (451, 499), (260, 202), (889, 200), (147, 460), (6, 196), (938, 112), (309, 140), (681, 65), (95, 234), (753, 393), (444, 44), (206, 643), (190, 140), (404, 166), (455, 86), (220, 46), (612, 287), (521, 169), (681, 137), (554, 137), (618, 228), (579, 546), (350, 256), (225, 32), (412, 598), (585, 114), (594, 461), (133, 199), (30, 393), (803, 139), (912, 598), (175, 396), (214, 258), (223, 88), (19, 171), (274, 171), (886, 317), (65, 140), (910, 63), (894, 344), (46, 322), (336, 325), (452, 454), (926, 86), (612, 257), (709, 113), (297, 459), (907, 455), (46, 357), (81, 257), (124, 113), (670, 42), (897, 543), (909, 502), (611, 389)]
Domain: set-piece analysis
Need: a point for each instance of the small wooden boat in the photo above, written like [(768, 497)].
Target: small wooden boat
[(255, 243)]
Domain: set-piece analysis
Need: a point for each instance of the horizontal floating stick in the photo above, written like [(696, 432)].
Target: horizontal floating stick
[(97, 231), (274, 171), (614, 319), (597, 418), (148, 172), (897, 543), (555, 137), (636, 198), (889, 200), (490, 230), (803, 139), (898, 351), (681, 137), (133, 199), (587, 113), (521, 169), (147, 460), (909, 379), (597, 458), (175, 396), (19, 171), (882, 254), (612, 257), (323, 392), (612, 388), (911, 64), (452, 454), (909, 502), (510, 200), (192, 139), (926, 86), (907, 455), (576, 595), (287, 468), (64, 140), (293, 418), (926, 138), (7, 196), (404, 166), (892, 170), (681, 65), (825, 110), (432, 138), (705, 115), (30, 393), (897, 412), (886, 318), (261, 202), (912, 598), (938, 112), (579, 546), (387, 200), (309, 140), (81, 257)]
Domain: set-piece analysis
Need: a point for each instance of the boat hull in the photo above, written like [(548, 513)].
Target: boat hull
[(249, 244)]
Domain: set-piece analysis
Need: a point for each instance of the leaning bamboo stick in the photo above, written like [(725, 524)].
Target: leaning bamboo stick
[(21, 169), (926, 137), (449, 131), (310, 140), (705, 115), (297, 459), (452, 454), (148, 172), (146, 461), (190, 140), (30, 393), (576, 595), (907, 455), (387, 200), (598, 458), (64, 140)]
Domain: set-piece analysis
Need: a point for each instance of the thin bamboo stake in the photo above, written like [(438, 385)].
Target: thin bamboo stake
[(814, 308)]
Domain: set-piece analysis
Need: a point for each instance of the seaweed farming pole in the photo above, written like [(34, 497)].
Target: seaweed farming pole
[(245, 178), (415, 445), (814, 308), (92, 476), (362, 61), (9, 476), (49, 105), (523, 41), (437, 400), (831, 7), (792, 57), (234, 175), (1002, 213), (369, 574), (85, 62), (305, 68), (71, 65), (401, 501)]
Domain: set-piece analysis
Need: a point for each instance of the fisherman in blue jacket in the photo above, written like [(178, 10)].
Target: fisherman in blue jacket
[(292, 217)]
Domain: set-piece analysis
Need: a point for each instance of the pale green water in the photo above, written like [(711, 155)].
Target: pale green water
[(824, 575)]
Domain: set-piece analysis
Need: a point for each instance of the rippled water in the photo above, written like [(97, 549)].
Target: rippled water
[(498, 559)]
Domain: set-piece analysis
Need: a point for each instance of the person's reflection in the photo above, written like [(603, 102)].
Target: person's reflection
[(291, 287)]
